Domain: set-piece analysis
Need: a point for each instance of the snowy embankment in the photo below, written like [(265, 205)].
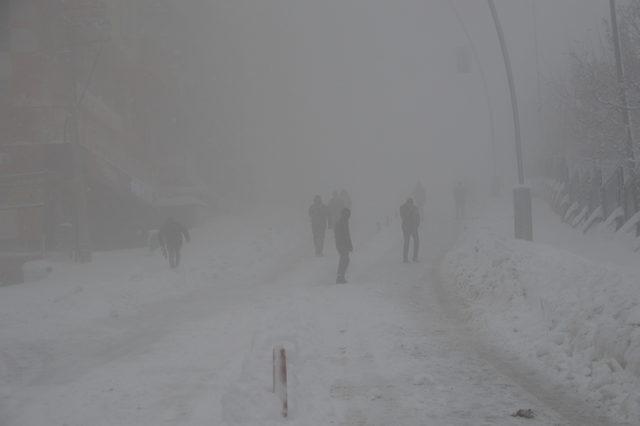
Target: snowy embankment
[(574, 320)]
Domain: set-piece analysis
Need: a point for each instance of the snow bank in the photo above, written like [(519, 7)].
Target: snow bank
[(574, 320)]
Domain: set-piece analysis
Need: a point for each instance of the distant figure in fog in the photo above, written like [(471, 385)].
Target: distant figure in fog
[(410, 222), (319, 215), (343, 244), (336, 204), (346, 199), (459, 198), (171, 236)]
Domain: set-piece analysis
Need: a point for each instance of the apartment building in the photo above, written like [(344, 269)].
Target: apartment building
[(89, 119)]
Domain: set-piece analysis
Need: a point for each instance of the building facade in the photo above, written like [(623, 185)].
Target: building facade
[(91, 108)]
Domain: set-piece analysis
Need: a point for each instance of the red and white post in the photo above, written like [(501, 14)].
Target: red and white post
[(280, 377)]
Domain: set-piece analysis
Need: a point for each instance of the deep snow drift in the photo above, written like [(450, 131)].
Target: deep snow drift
[(574, 319)]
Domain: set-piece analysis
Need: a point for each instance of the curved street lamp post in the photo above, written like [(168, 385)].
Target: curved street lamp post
[(523, 221)]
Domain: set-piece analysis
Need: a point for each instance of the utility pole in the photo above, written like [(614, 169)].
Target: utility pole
[(630, 157), (523, 221), (626, 117)]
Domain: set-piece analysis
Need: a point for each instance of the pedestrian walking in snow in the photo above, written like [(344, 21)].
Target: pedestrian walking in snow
[(319, 214), (410, 222), (171, 236), (343, 244), (336, 204)]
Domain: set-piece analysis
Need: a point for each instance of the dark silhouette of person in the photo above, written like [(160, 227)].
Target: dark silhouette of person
[(410, 222), (171, 236), (336, 204), (459, 198), (343, 244), (319, 214)]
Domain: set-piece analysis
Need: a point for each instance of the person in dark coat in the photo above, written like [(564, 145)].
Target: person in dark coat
[(343, 244), (319, 215), (171, 236), (336, 204), (410, 222)]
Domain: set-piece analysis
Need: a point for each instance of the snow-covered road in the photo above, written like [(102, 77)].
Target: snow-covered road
[(134, 343)]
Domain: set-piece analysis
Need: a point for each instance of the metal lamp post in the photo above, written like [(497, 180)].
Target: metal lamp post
[(523, 220)]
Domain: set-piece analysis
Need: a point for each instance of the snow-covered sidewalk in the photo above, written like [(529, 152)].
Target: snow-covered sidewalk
[(377, 351), (133, 343), (567, 307)]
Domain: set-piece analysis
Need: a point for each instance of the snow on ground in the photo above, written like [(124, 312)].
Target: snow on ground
[(126, 341), (567, 306)]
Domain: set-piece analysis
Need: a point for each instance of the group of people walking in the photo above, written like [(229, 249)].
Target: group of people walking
[(336, 213), (325, 216), (333, 215)]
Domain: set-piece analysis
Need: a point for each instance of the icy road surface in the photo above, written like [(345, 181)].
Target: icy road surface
[(126, 341)]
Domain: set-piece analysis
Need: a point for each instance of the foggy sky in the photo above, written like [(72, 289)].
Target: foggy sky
[(364, 94)]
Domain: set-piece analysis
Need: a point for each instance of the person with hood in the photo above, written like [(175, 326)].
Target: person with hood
[(336, 204), (171, 236), (319, 215), (410, 222), (343, 244)]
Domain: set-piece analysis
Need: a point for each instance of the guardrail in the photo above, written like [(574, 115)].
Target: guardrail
[(584, 197)]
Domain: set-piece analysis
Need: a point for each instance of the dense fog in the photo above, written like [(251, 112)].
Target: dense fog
[(316, 96), (170, 254), (276, 101)]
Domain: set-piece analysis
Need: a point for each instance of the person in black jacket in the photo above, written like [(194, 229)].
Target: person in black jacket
[(319, 215), (171, 236), (343, 244), (410, 222)]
